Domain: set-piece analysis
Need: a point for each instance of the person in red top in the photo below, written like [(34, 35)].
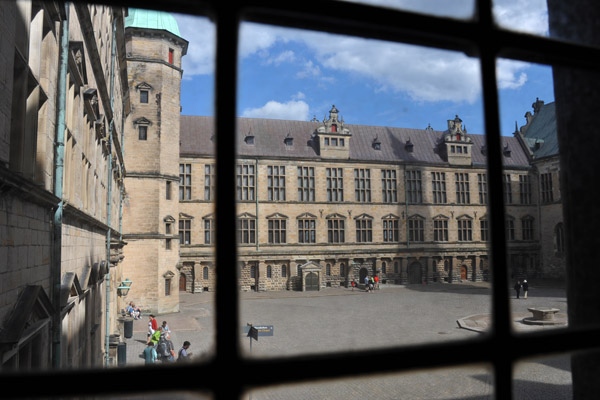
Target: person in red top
[(152, 327), (376, 279)]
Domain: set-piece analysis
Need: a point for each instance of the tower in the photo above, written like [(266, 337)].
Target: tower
[(154, 49)]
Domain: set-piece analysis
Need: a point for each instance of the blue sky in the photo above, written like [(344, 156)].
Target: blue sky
[(292, 74)]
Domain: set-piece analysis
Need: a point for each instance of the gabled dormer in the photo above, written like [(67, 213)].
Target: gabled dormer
[(333, 137), (457, 144)]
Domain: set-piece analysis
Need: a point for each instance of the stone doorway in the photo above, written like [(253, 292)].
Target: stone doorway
[(415, 273), (311, 282)]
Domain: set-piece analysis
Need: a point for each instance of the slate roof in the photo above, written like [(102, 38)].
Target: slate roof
[(543, 127), (269, 135)]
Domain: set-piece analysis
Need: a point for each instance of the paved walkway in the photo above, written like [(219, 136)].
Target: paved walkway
[(340, 319)]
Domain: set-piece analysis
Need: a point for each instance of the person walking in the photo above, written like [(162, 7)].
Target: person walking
[(525, 288), (164, 328), (165, 349), (376, 279), (184, 355), (150, 354), (367, 283), (518, 288), (353, 284), (152, 327)]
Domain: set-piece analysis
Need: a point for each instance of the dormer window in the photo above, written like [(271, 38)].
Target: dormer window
[(249, 140), (288, 140), (376, 144), (506, 151), (333, 128), (409, 146)]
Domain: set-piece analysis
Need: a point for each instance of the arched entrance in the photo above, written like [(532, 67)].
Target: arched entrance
[(463, 272), (182, 283), (415, 274), (311, 281)]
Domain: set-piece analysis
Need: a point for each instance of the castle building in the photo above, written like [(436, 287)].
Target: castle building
[(323, 203), (154, 50)]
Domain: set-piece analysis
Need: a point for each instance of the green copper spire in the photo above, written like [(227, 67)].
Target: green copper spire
[(151, 19)]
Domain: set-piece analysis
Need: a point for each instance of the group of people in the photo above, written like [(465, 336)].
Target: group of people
[(160, 347), (132, 311), (525, 286), (371, 283)]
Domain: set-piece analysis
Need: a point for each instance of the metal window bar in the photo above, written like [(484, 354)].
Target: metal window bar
[(478, 37)]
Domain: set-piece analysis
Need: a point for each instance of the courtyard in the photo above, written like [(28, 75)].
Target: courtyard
[(343, 320)]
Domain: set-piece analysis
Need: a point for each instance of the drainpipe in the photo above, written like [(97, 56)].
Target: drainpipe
[(59, 156), (256, 198), (109, 199), (406, 210)]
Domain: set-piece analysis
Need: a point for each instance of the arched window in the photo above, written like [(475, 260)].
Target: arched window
[(205, 273), (342, 269), (396, 267), (253, 271), (284, 271), (269, 271), (328, 269), (383, 268)]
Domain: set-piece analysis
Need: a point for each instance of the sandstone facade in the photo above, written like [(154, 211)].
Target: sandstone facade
[(54, 257)]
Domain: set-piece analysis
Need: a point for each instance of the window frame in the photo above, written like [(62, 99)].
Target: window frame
[(477, 36)]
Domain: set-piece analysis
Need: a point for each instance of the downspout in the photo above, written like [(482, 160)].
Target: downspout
[(256, 198), (406, 209), (59, 157), (109, 197), (540, 260)]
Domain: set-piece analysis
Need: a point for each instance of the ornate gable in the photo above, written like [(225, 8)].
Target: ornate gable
[(456, 145), (333, 138)]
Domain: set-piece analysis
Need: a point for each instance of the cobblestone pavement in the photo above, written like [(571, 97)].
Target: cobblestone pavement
[(340, 319)]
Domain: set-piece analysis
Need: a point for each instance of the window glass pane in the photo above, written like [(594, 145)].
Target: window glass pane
[(546, 377), (456, 9), (294, 70), (469, 382), (532, 195), (530, 17)]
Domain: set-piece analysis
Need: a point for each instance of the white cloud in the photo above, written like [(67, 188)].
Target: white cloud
[(423, 74), (287, 56), (310, 70), (522, 15), (509, 74), (200, 57), (291, 110), (299, 96)]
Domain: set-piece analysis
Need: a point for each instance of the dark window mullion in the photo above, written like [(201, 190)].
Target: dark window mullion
[(500, 302), (227, 355)]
